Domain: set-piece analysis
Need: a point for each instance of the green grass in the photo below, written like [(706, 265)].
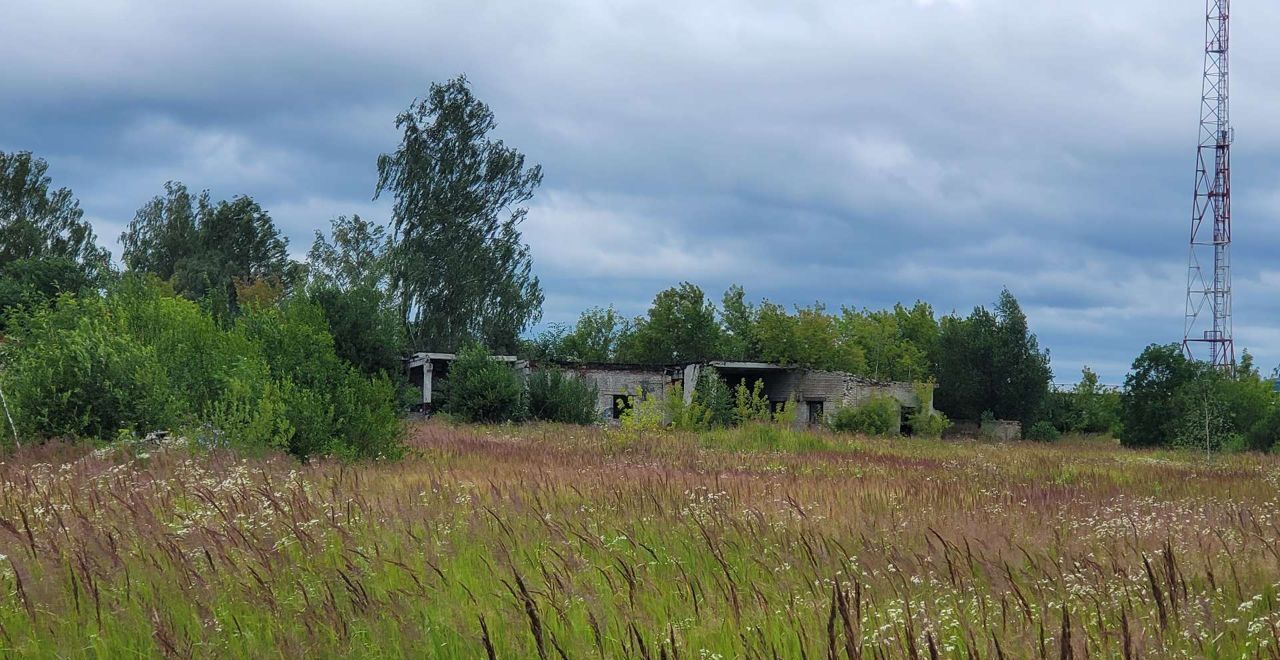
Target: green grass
[(573, 542)]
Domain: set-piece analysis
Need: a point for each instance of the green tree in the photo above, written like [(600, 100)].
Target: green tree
[(367, 330), (204, 249), (460, 267), (810, 338), (1099, 407), (31, 282), (481, 389), (357, 257), (992, 362), (965, 388), (38, 222), (1150, 412), (1020, 370), (681, 327), (739, 318), (348, 279), (596, 337)]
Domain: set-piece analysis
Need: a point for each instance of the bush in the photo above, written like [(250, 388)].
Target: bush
[(368, 424), (714, 395), (927, 424), (879, 416), (682, 416), (555, 396), (750, 405), (142, 358), (1265, 434), (1043, 431), (367, 331), (647, 413), (484, 390), (73, 374)]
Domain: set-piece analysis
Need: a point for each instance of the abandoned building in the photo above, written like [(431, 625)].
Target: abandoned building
[(816, 393), (427, 370)]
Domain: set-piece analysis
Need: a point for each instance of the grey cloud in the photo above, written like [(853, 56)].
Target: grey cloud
[(859, 153)]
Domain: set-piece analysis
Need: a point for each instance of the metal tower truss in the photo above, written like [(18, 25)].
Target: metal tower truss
[(1208, 332)]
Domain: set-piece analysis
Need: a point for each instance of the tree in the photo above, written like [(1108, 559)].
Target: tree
[(1150, 413), (481, 389), (1097, 408), (30, 282), (367, 331), (460, 267), (738, 341), (358, 256), (809, 338), (205, 248), (681, 326), (596, 336), (348, 279), (965, 390), (992, 363), (39, 223), (1021, 372)]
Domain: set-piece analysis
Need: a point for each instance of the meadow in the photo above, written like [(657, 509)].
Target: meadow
[(570, 542)]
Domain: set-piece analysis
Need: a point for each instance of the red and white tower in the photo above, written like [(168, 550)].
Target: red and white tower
[(1207, 334)]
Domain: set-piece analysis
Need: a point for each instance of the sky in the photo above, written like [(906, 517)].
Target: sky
[(854, 152)]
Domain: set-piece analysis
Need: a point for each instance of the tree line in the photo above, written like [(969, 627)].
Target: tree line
[(211, 324), (985, 362), (212, 281)]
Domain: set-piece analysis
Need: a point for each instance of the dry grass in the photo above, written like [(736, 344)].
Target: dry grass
[(568, 542)]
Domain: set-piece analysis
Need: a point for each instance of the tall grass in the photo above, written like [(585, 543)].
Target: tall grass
[(550, 541)]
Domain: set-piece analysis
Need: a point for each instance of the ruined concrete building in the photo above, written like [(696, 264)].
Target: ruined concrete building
[(816, 393)]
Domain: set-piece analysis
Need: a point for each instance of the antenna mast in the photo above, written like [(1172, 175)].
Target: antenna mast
[(1207, 333)]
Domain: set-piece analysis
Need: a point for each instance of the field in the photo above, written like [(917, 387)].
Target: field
[(568, 542)]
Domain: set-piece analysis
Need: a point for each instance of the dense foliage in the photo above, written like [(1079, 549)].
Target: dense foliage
[(556, 396), (992, 362), (141, 358), (1169, 400), (481, 389), (984, 362), (204, 248), (40, 222), (878, 416)]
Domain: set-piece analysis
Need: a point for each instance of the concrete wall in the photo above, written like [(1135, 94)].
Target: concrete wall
[(611, 381), (832, 389), (1003, 430)]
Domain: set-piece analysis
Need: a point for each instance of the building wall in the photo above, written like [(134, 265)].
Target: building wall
[(611, 382), (833, 389)]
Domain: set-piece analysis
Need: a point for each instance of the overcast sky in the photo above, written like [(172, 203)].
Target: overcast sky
[(857, 152)]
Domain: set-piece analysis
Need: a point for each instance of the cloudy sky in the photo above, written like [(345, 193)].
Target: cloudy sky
[(857, 152)]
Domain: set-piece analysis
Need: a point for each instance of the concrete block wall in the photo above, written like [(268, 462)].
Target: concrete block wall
[(613, 382)]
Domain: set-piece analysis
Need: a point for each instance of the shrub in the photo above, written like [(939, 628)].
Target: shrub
[(1265, 434), (750, 405), (879, 416), (1043, 431), (555, 396), (367, 421), (73, 374), (786, 416), (927, 424), (367, 331), (484, 390), (716, 397), (142, 359), (647, 413)]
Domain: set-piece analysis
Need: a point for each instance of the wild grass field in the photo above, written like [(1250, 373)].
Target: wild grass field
[(566, 542)]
